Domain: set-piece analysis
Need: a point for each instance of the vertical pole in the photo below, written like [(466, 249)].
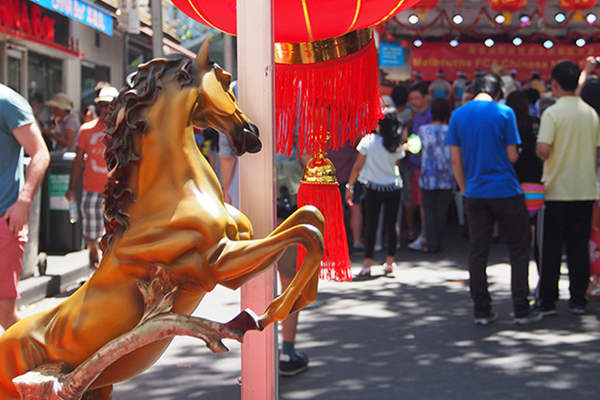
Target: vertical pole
[(157, 32), (228, 52), (256, 95)]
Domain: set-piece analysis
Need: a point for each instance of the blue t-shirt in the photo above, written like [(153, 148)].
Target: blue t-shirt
[(14, 112), (483, 129)]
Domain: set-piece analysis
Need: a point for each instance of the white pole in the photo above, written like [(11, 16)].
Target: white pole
[(257, 181), (157, 32)]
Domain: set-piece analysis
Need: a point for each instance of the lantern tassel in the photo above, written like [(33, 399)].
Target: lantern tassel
[(346, 87), (320, 189)]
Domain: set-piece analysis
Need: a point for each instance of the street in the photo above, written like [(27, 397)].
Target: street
[(405, 336)]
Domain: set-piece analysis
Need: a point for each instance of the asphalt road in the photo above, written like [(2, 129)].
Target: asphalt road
[(405, 336)]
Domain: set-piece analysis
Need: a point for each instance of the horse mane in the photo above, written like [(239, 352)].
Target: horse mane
[(127, 120)]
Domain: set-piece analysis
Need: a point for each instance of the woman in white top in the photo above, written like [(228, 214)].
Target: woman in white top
[(375, 167)]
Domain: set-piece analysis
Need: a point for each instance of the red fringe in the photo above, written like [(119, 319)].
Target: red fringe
[(340, 95), (336, 260)]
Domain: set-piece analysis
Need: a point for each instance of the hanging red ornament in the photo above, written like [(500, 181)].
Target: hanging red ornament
[(507, 7), (326, 86), (577, 7)]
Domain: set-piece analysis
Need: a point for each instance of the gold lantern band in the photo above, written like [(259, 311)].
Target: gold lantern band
[(322, 50)]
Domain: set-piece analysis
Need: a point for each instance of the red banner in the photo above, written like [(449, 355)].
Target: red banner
[(469, 57)]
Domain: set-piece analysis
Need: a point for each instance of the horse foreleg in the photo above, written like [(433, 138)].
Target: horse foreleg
[(304, 215), (241, 260)]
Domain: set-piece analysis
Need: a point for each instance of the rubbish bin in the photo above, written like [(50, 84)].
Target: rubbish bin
[(57, 234)]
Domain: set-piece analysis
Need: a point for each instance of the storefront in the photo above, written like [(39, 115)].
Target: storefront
[(48, 47)]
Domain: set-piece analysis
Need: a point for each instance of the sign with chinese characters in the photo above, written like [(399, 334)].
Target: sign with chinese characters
[(469, 57), (16, 15), (391, 55), (81, 12)]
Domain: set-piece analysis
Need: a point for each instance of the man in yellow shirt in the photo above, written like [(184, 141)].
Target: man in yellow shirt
[(568, 139)]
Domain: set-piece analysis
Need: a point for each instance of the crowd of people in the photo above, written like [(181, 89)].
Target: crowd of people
[(523, 158)]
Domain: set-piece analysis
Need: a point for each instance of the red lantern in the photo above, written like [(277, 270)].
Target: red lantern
[(301, 20), (506, 7), (577, 6), (326, 57)]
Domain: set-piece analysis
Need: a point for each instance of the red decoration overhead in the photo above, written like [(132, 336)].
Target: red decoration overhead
[(300, 20), (577, 6), (506, 7)]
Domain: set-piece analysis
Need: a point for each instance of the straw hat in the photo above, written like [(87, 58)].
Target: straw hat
[(60, 100), (107, 94)]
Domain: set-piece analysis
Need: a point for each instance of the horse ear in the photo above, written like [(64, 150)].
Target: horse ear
[(202, 56)]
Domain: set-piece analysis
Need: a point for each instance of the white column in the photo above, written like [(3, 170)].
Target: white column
[(72, 80), (157, 31), (257, 181)]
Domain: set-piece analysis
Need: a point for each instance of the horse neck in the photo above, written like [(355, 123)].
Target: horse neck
[(170, 157)]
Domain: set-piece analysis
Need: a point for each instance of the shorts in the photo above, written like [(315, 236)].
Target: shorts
[(357, 195), (416, 190), (92, 211), (11, 260), (287, 262)]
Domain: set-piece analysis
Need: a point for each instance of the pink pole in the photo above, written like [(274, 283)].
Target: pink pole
[(255, 75)]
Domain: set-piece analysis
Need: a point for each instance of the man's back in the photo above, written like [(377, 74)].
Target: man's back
[(573, 129), (483, 129)]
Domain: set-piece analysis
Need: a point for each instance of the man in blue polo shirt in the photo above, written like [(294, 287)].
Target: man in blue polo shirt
[(483, 137)]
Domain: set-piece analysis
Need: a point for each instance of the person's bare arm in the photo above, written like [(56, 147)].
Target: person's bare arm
[(30, 137), (543, 150), (512, 153), (457, 167), (76, 168), (590, 64), (356, 168), (227, 173), (67, 140)]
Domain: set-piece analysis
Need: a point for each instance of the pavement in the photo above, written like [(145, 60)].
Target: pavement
[(408, 335), (63, 273)]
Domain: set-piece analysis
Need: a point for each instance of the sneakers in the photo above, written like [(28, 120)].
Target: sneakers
[(577, 310), (489, 319), (388, 268), (289, 366), (528, 319), (418, 245)]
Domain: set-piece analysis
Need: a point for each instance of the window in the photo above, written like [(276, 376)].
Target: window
[(45, 75)]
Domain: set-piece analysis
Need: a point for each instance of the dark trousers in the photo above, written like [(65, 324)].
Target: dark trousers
[(569, 223), (390, 200), (513, 218), (435, 205)]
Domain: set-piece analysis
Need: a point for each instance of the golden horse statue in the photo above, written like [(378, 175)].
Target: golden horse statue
[(166, 223)]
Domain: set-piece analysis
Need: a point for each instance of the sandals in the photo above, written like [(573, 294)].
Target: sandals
[(388, 268)]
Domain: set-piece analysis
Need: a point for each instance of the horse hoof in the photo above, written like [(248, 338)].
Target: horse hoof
[(244, 321)]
